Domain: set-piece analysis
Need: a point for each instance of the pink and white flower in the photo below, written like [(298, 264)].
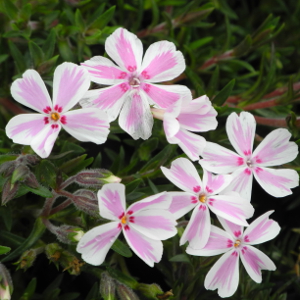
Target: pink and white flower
[(224, 275), (202, 197), (274, 150), (179, 120), (144, 224), (132, 89), (40, 131)]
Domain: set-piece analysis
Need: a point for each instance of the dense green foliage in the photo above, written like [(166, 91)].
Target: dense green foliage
[(245, 55)]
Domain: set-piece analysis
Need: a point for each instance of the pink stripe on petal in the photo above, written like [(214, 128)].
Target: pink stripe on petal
[(184, 175), (162, 62), (254, 261), (112, 201), (197, 231), (31, 91), (235, 231), (190, 143), (219, 242), (215, 183), (70, 83), (241, 130), (23, 128), (276, 182), (275, 149), (261, 230), (125, 49), (224, 275), (135, 117), (87, 124), (104, 71), (149, 250)]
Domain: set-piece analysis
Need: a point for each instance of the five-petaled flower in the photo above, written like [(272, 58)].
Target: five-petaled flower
[(144, 224), (132, 89), (40, 131), (224, 275), (202, 196), (178, 120), (274, 150)]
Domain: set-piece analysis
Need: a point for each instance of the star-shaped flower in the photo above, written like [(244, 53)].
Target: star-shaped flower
[(224, 275), (274, 150), (40, 131), (132, 89), (144, 224)]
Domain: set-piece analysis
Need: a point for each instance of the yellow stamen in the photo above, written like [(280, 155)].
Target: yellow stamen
[(237, 243), (202, 198), (55, 116), (123, 220)]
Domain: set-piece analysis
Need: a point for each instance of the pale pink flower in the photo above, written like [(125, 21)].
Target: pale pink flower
[(224, 275), (274, 150), (182, 118), (132, 89), (144, 224), (40, 131), (202, 197)]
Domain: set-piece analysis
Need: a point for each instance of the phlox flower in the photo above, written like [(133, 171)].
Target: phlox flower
[(201, 196), (224, 275), (144, 224), (274, 150), (40, 130), (131, 81), (179, 120)]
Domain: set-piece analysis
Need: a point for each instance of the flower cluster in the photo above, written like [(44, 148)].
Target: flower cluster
[(132, 93)]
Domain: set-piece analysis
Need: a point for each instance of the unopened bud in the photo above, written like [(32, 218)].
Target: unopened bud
[(6, 286), (32, 159), (107, 287), (95, 178), (69, 234), (88, 194), (20, 173), (158, 113), (7, 168), (126, 293), (9, 191), (150, 290), (28, 257), (31, 180), (86, 205)]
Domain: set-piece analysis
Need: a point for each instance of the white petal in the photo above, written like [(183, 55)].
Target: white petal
[(276, 182), (31, 91), (241, 131), (219, 242), (95, 243), (70, 83), (125, 48), (234, 230), (171, 125), (214, 184), (155, 224), (135, 117), (275, 149), (43, 142), (149, 250), (184, 175), (111, 199), (224, 275), (261, 230), (87, 124), (254, 261), (23, 128), (162, 62)]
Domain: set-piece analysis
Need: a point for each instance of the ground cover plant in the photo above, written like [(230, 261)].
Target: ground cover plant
[(149, 149)]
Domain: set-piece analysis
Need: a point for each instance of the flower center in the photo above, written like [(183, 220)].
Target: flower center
[(237, 243), (134, 81), (124, 220), (202, 198), (55, 116)]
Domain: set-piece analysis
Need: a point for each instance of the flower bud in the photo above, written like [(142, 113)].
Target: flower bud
[(126, 293), (88, 194), (69, 234), (28, 257), (95, 178), (9, 191), (150, 290), (86, 205), (107, 287), (6, 286), (20, 173), (31, 180)]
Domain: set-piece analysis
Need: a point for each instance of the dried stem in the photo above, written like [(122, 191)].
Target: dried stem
[(274, 122)]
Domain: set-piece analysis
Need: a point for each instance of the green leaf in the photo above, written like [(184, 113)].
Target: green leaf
[(41, 191), (10, 238), (65, 50), (79, 21), (29, 291), (153, 187), (121, 248), (92, 22), (3, 58), (180, 258), (222, 96), (46, 173), (201, 42), (49, 44), (36, 53), (127, 280), (93, 293), (106, 17), (17, 56), (4, 250), (196, 81), (147, 147), (155, 14), (7, 157), (69, 296), (6, 216), (75, 165), (36, 233), (131, 187), (48, 65), (10, 9), (244, 47), (213, 83)]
